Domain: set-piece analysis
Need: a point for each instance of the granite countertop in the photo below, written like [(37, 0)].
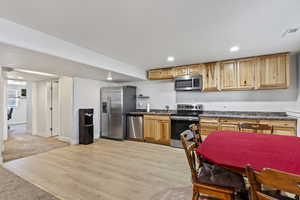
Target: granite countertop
[(224, 114), (153, 112), (248, 115)]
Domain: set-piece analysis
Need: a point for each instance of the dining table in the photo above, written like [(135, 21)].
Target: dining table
[(235, 150)]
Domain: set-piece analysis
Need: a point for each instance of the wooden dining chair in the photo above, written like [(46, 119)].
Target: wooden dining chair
[(278, 180), (195, 162), (257, 128)]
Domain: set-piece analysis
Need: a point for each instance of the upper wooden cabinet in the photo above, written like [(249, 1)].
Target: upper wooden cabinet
[(211, 77), (160, 74), (246, 73), (273, 72), (228, 75), (238, 74), (180, 71), (196, 69), (261, 72)]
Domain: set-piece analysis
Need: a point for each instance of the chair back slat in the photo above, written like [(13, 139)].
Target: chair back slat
[(189, 148), (279, 180), (272, 178), (262, 196)]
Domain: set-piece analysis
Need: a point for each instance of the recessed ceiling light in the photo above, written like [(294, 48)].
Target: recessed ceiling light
[(109, 77), (234, 48), (35, 72), (20, 77), (13, 82), (170, 59)]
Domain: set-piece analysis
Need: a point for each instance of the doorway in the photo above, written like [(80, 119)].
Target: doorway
[(33, 113)]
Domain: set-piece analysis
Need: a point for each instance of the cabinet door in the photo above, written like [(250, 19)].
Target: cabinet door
[(273, 72), (154, 74), (284, 131), (160, 74), (164, 131), (246, 73), (211, 78), (181, 71), (206, 128), (150, 129), (167, 73), (197, 69), (228, 75), (229, 127)]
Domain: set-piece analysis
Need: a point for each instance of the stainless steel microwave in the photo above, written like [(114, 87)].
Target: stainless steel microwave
[(188, 83)]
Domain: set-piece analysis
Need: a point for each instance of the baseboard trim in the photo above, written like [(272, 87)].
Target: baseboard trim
[(64, 139)]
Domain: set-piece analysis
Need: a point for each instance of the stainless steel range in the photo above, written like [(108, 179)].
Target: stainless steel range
[(186, 115)]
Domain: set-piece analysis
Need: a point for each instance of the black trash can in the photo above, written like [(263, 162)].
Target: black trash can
[(86, 126)]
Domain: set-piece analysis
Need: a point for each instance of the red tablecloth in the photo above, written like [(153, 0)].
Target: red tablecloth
[(236, 149)]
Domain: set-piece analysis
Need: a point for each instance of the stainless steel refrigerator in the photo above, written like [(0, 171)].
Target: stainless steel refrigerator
[(115, 103)]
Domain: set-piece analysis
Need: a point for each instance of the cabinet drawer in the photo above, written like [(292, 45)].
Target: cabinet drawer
[(157, 117), (229, 121), (209, 119), (284, 131), (281, 123), (208, 125)]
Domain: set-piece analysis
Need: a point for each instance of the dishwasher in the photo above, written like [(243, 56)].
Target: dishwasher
[(135, 127)]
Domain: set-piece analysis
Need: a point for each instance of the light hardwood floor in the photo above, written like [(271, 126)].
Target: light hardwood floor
[(106, 170)]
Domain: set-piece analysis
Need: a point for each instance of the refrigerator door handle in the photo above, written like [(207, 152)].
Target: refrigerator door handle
[(109, 114)]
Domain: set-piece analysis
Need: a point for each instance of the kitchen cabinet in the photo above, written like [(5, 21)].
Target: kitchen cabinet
[(150, 129), (279, 127), (157, 129), (246, 73), (282, 127), (180, 71), (160, 74), (211, 78), (164, 130), (228, 75), (273, 72), (208, 125), (259, 72), (196, 69)]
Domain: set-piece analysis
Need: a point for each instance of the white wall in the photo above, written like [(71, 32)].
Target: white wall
[(66, 109), (32, 108), (19, 115), (161, 93), (87, 95)]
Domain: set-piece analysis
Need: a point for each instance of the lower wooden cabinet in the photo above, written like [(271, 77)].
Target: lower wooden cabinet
[(229, 127), (157, 129), (279, 127)]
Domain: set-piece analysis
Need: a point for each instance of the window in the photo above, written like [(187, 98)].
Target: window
[(12, 98)]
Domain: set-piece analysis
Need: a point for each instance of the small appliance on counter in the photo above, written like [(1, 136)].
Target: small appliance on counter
[(86, 126), (186, 115)]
